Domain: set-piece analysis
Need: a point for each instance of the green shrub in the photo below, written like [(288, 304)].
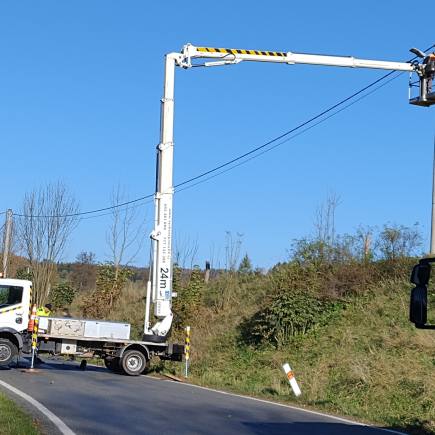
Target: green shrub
[(62, 294), (245, 266), (189, 296), (110, 282), (292, 308), (306, 294), (24, 273)]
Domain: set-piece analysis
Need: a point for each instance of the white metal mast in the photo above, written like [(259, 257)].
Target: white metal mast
[(162, 234), (6, 247)]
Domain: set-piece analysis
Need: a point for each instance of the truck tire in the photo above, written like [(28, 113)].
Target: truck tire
[(7, 352), (133, 362), (112, 364), (154, 338)]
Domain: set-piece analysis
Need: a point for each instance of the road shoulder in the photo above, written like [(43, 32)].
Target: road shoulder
[(46, 426)]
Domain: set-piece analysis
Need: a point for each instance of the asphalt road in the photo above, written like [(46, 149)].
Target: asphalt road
[(97, 401)]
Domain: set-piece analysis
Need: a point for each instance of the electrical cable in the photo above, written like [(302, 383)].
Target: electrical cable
[(89, 212), (275, 146), (221, 166), (271, 148), (285, 134), (292, 137), (249, 152), (129, 208), (259, 154)]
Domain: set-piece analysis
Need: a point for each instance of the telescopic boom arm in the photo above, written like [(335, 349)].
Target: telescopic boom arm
[(160, 291), (230, 56)]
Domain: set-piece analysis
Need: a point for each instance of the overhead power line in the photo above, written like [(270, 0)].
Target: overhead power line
[(249, 152), (268, 149), (298, 134)]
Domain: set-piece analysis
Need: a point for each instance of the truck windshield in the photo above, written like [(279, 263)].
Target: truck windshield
[(10, 295)]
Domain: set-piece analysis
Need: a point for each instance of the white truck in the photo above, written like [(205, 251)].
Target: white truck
[(78, 337)]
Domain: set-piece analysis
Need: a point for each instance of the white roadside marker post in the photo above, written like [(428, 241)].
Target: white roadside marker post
[(292, 380)]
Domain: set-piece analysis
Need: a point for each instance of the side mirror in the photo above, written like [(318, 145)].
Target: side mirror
[(420, 274), (418, 305)]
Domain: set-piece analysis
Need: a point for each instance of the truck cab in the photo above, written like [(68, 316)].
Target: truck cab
[(15, 300)]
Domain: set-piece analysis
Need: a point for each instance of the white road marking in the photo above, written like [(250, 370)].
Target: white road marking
[(56, 420), (281, 404)]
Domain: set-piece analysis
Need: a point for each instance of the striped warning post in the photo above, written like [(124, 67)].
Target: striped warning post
[(34, 341), (187, 349), (35, 333), (30, 301), (233, 51), (31, 369)]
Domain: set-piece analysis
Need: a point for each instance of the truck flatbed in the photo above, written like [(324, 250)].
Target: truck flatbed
[(107, 339)]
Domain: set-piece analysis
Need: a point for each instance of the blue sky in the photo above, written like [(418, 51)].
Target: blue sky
[(80, 88)]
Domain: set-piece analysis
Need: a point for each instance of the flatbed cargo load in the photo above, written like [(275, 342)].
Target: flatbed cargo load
[(84, 328)]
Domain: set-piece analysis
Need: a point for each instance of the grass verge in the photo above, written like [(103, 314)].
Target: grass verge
[(13, 420), (369, 363)]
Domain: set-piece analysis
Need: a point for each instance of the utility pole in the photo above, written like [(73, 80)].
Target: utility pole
[(6, 251), (432, 227), (367, 246), (207, 272)]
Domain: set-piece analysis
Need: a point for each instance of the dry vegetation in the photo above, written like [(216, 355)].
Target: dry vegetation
[(129, 308)]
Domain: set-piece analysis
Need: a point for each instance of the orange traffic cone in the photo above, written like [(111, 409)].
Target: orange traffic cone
[(32, 319)]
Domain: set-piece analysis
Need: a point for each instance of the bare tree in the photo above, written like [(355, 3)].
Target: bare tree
[(324, 223), (47, 217), (126, 234), (125, 239), (232, 251), (215, 264), (185, 252)]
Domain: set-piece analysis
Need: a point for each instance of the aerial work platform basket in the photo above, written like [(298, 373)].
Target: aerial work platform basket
[(421, 91)]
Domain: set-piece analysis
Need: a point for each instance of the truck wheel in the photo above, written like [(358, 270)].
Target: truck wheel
[(112, 364), (133, 362), (7, 352)]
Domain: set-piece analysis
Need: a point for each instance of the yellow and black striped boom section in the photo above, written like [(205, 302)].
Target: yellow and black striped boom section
[(235, 51), (229, 56), (236, 55)]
